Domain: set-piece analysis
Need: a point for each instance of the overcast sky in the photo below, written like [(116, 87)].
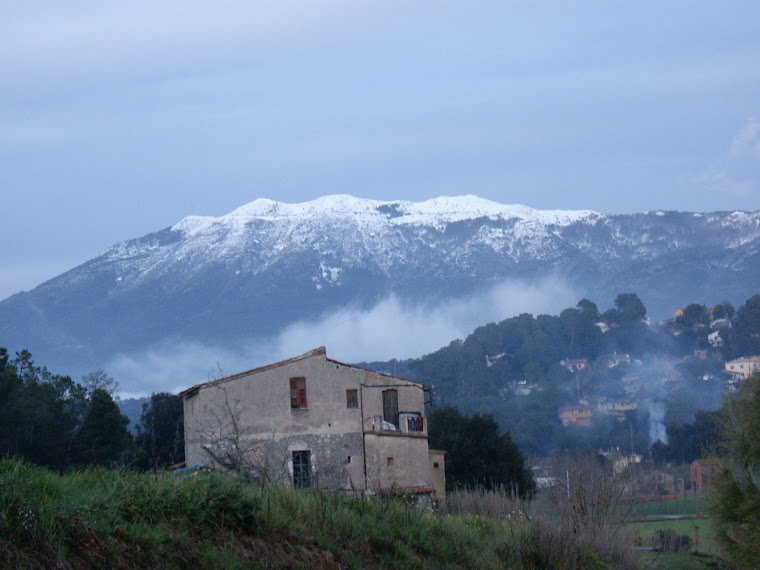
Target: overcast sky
[(121, 118)]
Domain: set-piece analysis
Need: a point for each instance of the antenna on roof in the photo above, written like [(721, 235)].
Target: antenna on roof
[(428, 391)]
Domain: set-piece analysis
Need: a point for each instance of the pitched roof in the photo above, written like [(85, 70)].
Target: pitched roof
[(317, 351), (372, 372), (193, 389)]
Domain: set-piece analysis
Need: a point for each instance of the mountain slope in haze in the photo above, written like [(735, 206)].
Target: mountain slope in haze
[(265, 265)]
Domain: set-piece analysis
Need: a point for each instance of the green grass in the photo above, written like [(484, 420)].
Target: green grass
[(699, 530), (684, 561), (104, 517), (101, 518), (681, 505), (704, 553)]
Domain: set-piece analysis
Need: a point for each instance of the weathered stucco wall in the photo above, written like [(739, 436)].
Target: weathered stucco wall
[(395, 461), (438, 473)]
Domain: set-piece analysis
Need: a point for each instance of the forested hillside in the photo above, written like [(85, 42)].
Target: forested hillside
[(517, 370)]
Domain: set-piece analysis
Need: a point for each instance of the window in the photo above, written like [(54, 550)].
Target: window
[(298, 393), (302, 469), (390, 407), (390, 461), (352, 398), (435, 466)]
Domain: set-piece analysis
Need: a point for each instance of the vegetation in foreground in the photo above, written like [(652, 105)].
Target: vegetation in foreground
[(737, 487), (104, 518)]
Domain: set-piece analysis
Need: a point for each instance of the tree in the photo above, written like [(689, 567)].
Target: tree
[(589, 309), (737, 487), (629, 307), (689, 441), (228, 443), (38, 410), (746, 333), (161, 431), (477, 454), (723, 310), (99, 380), (593, 498), (103, 437), (694, 315)]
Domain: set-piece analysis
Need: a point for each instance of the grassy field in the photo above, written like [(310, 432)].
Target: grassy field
[(700, 531), (689, 504), (98, 518), (684, 561), (652, 527)]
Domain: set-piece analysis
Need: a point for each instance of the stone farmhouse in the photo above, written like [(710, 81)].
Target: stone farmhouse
[(314, 422)]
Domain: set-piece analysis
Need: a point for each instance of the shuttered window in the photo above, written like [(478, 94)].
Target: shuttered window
[(298, 392), (390, 406)]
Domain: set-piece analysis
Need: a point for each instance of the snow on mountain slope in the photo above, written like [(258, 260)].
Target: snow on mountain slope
[(343, 232), (267, 264), (377, 214), (351, 230)]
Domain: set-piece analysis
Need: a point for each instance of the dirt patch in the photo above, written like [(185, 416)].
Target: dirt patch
[(286, 550)]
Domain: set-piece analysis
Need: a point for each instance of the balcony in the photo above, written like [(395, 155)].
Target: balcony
[(410, 424)]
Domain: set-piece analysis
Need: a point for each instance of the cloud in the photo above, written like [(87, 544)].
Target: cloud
[(747, 140), (392, 328), (172, 367), (720, 180), (735, 173)]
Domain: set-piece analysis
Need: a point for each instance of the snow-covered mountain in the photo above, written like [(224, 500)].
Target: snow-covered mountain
[(267, 264)]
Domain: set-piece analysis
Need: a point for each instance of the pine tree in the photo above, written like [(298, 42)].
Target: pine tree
[(478, 456), (103, 437), (161, 433), (737, 487)]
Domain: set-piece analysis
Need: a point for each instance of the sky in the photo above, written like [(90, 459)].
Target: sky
[(121, 118)]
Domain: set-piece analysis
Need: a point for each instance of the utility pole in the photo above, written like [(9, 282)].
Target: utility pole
[(630, 425)]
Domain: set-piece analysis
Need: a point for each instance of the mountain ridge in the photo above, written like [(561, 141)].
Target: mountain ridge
[(267, 264)]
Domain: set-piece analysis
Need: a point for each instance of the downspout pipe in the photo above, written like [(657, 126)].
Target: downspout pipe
[(364, 444)]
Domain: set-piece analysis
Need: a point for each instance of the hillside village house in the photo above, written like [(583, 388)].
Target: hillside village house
[(612, 407), (651, 483), (575, 364), (578, 415), (743, 368), (314, 422), (702, 471), (615, 359), (619, 461)]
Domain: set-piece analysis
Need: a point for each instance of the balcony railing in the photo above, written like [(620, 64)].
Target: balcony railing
[(409, 424)]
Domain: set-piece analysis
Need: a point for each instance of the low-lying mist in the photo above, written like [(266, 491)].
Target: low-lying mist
[(393, 328)]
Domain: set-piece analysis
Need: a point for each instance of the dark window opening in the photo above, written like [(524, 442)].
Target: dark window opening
[(390, 406), (298, 392), (352, 398), (390, 461), (435, 465), (302, 469)]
